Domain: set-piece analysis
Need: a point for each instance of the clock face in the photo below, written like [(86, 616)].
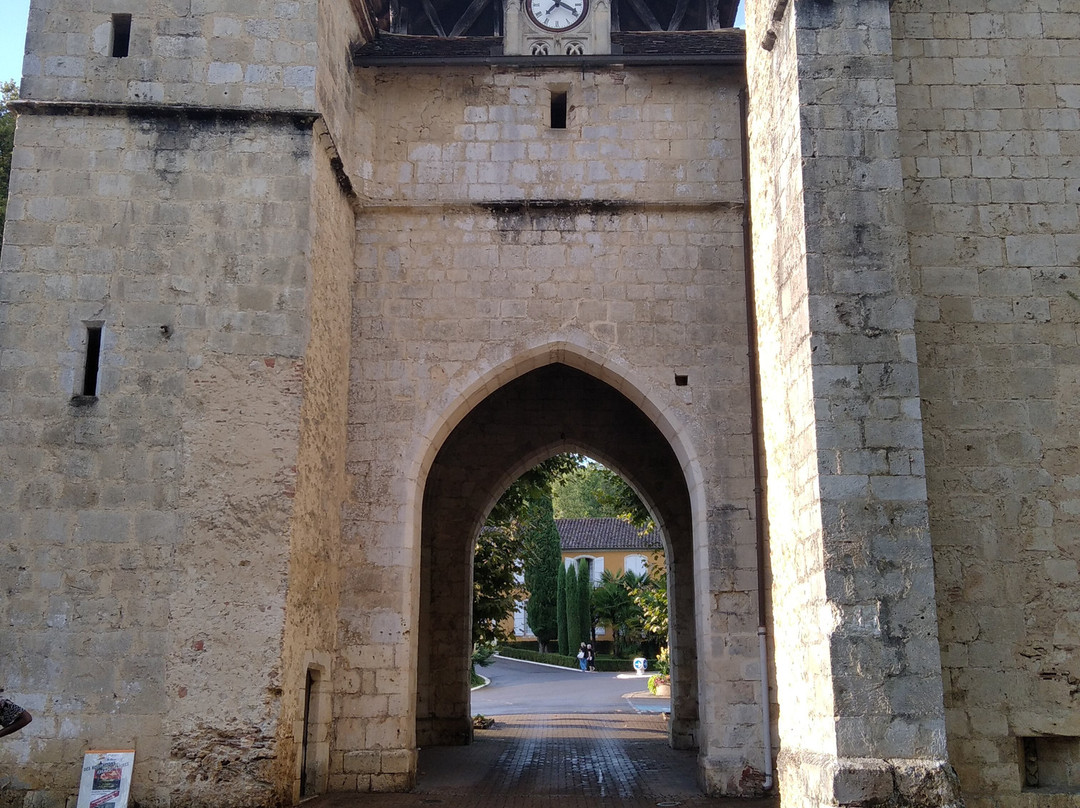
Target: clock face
[(557, 15)]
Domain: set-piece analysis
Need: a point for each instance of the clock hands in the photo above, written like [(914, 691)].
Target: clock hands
[(560, 4), (570, 11)]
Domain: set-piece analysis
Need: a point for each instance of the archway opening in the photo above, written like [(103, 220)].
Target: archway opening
[(552, 409), (579, 535)]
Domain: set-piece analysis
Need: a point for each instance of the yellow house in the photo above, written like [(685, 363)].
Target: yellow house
[(604, 544)]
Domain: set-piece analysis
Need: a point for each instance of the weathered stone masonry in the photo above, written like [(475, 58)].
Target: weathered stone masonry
[(341, 306)]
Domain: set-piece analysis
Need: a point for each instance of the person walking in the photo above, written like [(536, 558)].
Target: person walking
[(590, 658), (581, 658), (12, 717)]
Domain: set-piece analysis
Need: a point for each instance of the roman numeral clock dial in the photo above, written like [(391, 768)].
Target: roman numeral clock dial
[(557, 15)]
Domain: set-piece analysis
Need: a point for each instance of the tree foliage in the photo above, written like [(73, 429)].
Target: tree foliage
[(9, 91), (591, 491), (497, 568), (585, 601), (564, 644), (574, 636), (535, 483), (581, 488), (543, 556), (613, 604), (500, 550), (650, 595)]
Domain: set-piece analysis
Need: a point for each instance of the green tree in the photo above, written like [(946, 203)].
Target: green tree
[(496, 567), (585, 601), (531, 486), (499, 554), (651, 597), (564, 646), (9, 91), (574, 637), (612, 604), (591, 491), (543, 556)]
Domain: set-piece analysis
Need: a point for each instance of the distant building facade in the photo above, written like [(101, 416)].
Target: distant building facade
[(602, 544)]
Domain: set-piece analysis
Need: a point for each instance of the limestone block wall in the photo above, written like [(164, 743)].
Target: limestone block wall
[(990, 127), (857, 578), (486, 235), (306, 730), (147, 527), (233, 53), (343, 94), (635, 135), (321, 488), (781, 292)]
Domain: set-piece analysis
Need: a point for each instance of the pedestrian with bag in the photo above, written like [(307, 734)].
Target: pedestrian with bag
[(12, 717)]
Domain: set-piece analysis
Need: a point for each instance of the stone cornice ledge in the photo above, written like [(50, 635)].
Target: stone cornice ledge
[(300, 117)]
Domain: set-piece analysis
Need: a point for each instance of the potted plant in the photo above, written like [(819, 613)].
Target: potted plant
[(660, 682)]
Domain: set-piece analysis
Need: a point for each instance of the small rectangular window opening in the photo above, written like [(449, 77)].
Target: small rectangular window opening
[(121, 34), (1050, 763), (681, 380), (93, 359), (558, 109)]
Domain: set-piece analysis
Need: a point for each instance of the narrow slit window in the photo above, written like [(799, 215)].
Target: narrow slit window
[(558, 109), (121, 34), (93, 360)]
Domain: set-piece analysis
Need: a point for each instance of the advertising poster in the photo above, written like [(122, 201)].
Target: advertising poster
[(106, 778)]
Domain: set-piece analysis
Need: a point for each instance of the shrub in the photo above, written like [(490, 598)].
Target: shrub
[(607, 665)]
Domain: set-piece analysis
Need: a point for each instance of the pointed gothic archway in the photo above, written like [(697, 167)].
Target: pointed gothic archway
[(542, 412)]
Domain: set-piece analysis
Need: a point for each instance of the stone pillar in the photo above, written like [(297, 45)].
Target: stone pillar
[(445, 627), (858, 667)]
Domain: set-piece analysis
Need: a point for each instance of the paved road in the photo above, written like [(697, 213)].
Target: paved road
[(554, 761), (562, 739), (521, 688)]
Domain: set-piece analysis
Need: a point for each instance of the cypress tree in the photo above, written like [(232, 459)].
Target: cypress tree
[(574, 637), (563, 643), (585, 596), (543, 557)]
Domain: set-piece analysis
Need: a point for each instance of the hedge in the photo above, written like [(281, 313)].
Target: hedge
[(536, 656), (608, 665), (601, 646)]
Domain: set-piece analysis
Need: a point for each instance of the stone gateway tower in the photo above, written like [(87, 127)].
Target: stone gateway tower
[(292, 289)]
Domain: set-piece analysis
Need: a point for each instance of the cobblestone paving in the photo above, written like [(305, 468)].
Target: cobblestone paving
[(573, 761)]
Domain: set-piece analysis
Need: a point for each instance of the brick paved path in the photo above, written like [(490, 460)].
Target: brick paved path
[(540, 761)]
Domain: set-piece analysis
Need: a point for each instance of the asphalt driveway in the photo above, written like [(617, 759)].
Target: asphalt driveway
[(524, 688)]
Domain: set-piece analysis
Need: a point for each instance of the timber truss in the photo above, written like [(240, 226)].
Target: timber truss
[(484, 18)]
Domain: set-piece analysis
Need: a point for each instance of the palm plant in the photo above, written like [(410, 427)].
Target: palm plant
[(612, 604)]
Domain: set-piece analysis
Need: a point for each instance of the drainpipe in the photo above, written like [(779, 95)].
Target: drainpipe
[(756, 421)]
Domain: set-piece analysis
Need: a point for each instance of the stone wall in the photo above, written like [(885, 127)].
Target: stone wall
[(256, 54), (781, 295), (293, 326), (991, 139), (853, 589), (149, 524), (486, 239), (314, 569), (315, 575), (642, 135)]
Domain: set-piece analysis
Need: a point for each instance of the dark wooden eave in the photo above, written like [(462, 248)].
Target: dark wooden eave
[(726, 46)]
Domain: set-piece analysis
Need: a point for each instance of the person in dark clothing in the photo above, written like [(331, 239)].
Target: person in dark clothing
[(12, 717), (590, 658)]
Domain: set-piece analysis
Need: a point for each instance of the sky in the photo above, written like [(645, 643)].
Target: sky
[(13, 14)]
